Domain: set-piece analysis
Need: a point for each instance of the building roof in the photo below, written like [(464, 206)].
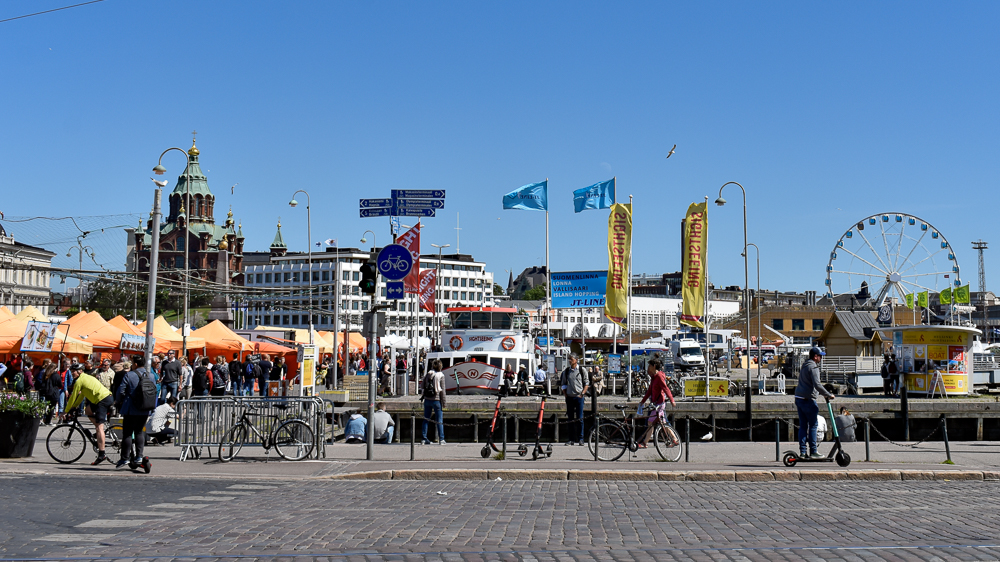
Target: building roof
[(854, 323), (279, 241), (199, 183)]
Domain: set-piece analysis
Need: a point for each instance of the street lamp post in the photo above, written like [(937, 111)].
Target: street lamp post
[(135, 295), (746, 305), (372, 362), (80, 250), (154, 258), (757, 298), (437, 283), (294, 203), (160, 170)]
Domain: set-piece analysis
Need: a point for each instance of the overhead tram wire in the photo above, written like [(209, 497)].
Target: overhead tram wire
[(50, 11)]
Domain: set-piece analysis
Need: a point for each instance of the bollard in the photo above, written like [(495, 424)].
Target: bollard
[(413, 435), (777, 440), (947, 446), (904, 405), (868, 440), (505, 436), (475, 423), (714, 431), (687, 438)]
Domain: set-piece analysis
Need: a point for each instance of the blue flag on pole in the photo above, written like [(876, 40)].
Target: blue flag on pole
[(598, 196), (531, 197)]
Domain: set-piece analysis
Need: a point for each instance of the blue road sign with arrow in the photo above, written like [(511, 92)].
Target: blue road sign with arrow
[(368, 213), (401, 211), (418, 194), (419, 203), (369, 203), (394, 290), (394, 262)]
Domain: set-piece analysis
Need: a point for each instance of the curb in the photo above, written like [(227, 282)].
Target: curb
[(673, 476)]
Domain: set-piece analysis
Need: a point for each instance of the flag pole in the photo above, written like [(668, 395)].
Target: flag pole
[(548, 277), (628, 298), (704, 322)]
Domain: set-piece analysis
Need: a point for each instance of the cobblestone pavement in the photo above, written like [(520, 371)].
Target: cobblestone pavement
[(599, 521)]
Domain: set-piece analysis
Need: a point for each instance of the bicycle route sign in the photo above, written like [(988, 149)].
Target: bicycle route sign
[(394, 262)]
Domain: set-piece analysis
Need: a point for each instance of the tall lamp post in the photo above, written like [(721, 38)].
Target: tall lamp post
[(154, 258), (746, 293), (80, 250), (135, 296), (160, 170), (294, 203), (757, 298), (372, 363), (437, 283)]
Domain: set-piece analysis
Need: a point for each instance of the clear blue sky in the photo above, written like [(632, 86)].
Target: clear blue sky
[(826, 113)]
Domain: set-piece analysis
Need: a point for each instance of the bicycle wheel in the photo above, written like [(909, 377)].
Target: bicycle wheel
[(113, 437), (294, 440), (609, 439), (65, 443), (668, 443), (232, 442)]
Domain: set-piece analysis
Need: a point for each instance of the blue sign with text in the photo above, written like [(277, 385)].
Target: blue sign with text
[(579, 289), (418, 194), (369, 203), (368, 213)]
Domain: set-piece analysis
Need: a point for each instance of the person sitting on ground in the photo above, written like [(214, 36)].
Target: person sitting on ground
[(383, 425), (159, 422), (845, 426), (357, 425)]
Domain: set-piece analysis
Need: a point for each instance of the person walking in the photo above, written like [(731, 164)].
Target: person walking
[(131, 401), (434, 400), (806, 392), (170, 376), (658, 393), (575, 382), (186, 375)]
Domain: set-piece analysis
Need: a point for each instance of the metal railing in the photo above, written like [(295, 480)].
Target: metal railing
[(203, 421)]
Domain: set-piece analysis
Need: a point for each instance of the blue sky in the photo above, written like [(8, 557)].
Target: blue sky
[(826, 113)]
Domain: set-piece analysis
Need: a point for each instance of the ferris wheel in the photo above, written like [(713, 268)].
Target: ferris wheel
[(891, 255)]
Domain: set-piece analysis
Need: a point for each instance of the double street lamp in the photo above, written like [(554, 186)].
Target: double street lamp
[(437, 283), (153, 263), (160, 170), (80, 250), (293, 203), (746, 291)]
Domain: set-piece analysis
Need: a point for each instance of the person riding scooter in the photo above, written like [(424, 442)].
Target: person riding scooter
[(806, 392)]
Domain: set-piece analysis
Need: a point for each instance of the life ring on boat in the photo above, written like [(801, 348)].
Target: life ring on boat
[(456, 342), (507, 343)]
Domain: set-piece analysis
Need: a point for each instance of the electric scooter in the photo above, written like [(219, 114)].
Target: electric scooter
[(537, 451), (837, 452), (485, 452)]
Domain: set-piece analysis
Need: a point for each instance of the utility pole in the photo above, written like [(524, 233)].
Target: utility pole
[(979, 245)]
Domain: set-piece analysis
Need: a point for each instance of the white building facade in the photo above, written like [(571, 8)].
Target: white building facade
[(24, 275)]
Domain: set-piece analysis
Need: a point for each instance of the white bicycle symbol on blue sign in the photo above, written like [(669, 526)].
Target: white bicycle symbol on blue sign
[(393, 263)]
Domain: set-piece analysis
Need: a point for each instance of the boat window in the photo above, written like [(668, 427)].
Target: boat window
[(480, 358), (520, 323), (497, 362), (501, 321), (481, 320), (445, 362), (461, 320), (524, 363)]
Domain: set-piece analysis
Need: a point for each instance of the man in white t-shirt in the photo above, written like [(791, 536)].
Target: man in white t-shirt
[(159, 422)]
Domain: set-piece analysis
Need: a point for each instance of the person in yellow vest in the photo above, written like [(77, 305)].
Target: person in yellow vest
[(99, 401)]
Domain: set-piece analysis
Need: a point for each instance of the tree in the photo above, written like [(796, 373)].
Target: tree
[(497, 290), (535, 293)]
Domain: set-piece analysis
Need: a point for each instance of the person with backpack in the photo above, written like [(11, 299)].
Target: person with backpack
[(236, 375), (250, 375), (434, 398), (220, 376), (99, 399), (264, 366), (200, 381), (136, 398)]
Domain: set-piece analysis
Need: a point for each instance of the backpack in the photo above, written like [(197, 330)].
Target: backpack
[(258, 373), (145, 393), (429, 393), (219, 376)]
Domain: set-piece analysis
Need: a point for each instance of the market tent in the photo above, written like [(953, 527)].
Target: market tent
[(32, 313), (164, 333), (124, 325), (5, 314), (357, 344), (402, 342), (90, 327), (325, 345), (220, 340), (12, 332)]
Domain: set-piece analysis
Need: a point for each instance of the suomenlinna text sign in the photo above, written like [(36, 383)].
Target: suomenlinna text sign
[(579, 289)]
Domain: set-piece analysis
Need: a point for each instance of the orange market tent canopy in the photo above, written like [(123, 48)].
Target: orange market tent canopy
[(90, 327), (12, 332), (220, 340), (5, 313), (32, 313), (124, 325), (173, 340), (358, 343), (323, 344)]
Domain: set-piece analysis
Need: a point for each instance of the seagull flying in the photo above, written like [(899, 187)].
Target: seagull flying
[(159, 183), (671, 151)]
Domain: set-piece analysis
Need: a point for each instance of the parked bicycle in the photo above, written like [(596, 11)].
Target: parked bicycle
[(67, 441), (611, 438), (293, 438)]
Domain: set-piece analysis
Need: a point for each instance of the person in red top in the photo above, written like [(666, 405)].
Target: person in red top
[(657, 394)]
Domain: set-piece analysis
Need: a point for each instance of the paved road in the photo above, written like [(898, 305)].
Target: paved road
[(505, 520)]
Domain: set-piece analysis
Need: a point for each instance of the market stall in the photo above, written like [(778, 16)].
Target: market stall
[(933, 360)]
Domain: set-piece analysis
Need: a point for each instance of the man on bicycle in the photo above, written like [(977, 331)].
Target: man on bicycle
[(99, 401), (658, 393)]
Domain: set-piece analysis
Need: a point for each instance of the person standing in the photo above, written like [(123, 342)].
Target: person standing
[(220, 376), (658, 393), (170, 376), (105, 374), (186, 375), (130, 400), (806, 392), (434, 400), (236, 375), (199, 380), (264, 375), (575, 382)]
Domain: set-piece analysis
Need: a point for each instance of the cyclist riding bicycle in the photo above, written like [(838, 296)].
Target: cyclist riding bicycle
[(99, 401), (657, 394)]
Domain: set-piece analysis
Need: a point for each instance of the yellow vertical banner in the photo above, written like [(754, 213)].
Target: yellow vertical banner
[(619, 260), (909, 300), (693, 272)]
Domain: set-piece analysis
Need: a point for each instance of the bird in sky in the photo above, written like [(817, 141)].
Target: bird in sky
[(671, 151), (160, 183)]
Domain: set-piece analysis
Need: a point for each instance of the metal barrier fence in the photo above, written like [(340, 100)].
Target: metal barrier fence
[(203, 421)]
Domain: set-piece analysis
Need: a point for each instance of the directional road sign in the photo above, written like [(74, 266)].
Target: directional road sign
[(394, 262), (418, 194), (419, 203), (400, 211), (368, 213), (394, 290), (369, 203)]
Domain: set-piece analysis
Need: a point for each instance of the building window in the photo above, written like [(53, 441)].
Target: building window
[(295, 277), (323, 320), (463, 295), (357, 276), (326, 276), (447, 294), (798, 324), (284, 319), (267, 320), (354, 305), (259, 278), (346, 275), (267, 277), (295, 319), (447, 281), (817, 324), (778, 324), (364, 305), (288, 277)]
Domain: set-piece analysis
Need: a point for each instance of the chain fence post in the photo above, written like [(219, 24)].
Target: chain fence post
[(904, 403), (413, 435), (777, 439), (475, 432), (687, 438), (505, 435), (868, 439), (944, 428)]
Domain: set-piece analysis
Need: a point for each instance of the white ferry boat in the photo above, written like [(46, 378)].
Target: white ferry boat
[(480, 343)]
